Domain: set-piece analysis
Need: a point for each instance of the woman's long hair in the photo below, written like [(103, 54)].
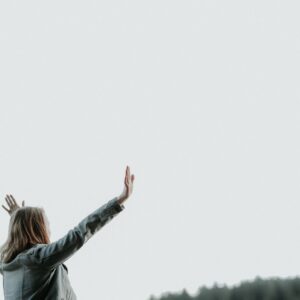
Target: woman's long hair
[(27, 227)]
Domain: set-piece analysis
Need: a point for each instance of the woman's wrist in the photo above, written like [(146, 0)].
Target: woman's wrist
[(121, 199)]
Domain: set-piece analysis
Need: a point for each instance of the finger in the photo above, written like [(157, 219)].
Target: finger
[(13, 199), (8, 201), (5, 208), (13, 203), (23, 203), (129, 173)]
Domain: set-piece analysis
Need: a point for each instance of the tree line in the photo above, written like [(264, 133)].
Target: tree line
[(257, 289)]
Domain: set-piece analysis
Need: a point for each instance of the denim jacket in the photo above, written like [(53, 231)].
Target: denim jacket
[(39, 273)]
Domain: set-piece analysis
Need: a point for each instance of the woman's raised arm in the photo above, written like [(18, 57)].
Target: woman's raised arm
[(50, 255)]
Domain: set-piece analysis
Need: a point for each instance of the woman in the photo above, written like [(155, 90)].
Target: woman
[(32, 267)]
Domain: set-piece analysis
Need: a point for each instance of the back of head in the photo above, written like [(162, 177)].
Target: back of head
[(27, 227)]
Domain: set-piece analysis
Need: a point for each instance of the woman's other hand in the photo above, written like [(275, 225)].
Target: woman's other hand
[(128, 186), (12, 204)]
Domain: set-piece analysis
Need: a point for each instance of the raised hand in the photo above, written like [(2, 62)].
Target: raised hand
[(128, 186), (12, 204)]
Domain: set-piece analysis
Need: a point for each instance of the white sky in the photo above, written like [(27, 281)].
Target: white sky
[(199, 98)]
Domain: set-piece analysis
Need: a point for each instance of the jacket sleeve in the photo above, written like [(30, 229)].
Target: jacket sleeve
[(53, 254)]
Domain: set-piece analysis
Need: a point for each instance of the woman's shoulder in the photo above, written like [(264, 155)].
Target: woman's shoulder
[(30, 252)]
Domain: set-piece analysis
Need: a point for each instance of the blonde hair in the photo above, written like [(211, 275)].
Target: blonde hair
[(27, 227)]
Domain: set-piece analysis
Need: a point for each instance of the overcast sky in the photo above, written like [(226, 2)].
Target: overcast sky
[(199, 98)]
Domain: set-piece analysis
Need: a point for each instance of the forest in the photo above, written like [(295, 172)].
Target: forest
[(257, 289)]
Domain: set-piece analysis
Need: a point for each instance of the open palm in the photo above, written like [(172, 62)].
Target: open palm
[(12, 204), (128, 184)]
